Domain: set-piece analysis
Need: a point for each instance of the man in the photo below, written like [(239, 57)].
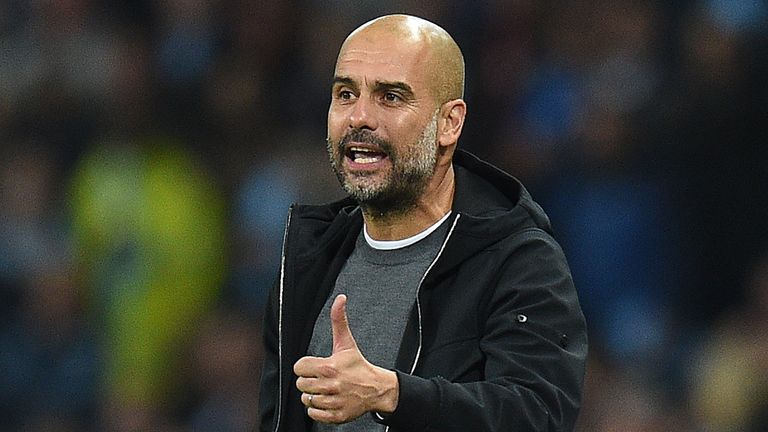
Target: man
[(434, 297)]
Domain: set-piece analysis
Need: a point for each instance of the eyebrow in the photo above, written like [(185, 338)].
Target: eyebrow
[(347, 81), (379, 86), (383, 86)]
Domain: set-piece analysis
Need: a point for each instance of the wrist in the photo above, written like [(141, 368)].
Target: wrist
[(389, 394)]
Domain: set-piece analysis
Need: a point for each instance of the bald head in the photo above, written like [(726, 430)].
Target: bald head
[(442, 56)]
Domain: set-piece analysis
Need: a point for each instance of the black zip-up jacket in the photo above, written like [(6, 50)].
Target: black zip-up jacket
[(496, 340)]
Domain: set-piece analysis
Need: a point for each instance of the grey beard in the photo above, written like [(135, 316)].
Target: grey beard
[(408, 179)]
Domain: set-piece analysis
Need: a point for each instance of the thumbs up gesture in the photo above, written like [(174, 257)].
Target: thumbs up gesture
[(344, 386), (342, 334)]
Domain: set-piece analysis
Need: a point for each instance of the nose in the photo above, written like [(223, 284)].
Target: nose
[(362, 115)]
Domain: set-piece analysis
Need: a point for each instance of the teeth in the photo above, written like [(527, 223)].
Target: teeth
[(365, 160), (363, 155), (359, 158)]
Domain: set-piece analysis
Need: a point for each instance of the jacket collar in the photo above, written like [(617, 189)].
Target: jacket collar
[(491, 204)]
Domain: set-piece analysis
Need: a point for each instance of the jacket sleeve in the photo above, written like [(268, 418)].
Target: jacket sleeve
[(534, 346), (270, 373)]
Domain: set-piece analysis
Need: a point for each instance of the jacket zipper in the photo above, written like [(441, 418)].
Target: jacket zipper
[(280, 312), (418, 292), (280, 324)]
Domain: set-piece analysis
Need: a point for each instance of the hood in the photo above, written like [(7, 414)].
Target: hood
[(492, 205), (485, 193)]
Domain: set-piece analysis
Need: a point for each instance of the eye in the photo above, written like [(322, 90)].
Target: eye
[(392, 97), (343, 93)]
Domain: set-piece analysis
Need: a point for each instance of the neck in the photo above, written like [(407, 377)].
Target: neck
[(433, 204)]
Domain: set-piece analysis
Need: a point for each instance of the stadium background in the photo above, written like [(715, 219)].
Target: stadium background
[(149, 151)]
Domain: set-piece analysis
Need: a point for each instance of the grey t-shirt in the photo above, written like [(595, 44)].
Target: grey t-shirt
[(381, 290)]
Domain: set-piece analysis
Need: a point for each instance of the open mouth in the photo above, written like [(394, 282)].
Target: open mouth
[(364, 155)]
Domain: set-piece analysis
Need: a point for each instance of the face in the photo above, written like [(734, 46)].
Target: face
[(398, 186), (382, 123)]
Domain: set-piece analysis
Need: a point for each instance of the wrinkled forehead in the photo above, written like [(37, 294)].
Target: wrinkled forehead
[(384, 56)]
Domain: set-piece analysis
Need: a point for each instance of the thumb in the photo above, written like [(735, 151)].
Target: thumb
[(342, 335)]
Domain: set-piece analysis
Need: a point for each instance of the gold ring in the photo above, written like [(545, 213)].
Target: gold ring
[(310, 401)]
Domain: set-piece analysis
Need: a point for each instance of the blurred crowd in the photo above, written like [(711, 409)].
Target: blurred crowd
[(149, 151)]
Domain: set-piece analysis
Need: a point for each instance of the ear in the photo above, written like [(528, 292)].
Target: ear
[(451, 122)]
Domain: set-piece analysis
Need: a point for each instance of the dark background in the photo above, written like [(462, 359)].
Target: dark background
[(149, 151)]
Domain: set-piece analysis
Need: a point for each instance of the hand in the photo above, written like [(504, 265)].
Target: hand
[(345, 385)]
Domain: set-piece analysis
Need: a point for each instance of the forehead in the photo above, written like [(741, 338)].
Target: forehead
[(384, 57)]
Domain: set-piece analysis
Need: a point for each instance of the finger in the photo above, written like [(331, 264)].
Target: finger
[(327, 416), (307, 366), (307, 385), (317, 386), (318, 415), (320, 401), (342, 335), (309, 400)]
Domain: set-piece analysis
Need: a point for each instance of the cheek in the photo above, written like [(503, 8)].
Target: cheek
[(336, 125), (408, 128), (404, 139)]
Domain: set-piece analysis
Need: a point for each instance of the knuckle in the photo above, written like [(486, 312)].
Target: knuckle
[(333, 387), (329, 370), (329, 403)]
